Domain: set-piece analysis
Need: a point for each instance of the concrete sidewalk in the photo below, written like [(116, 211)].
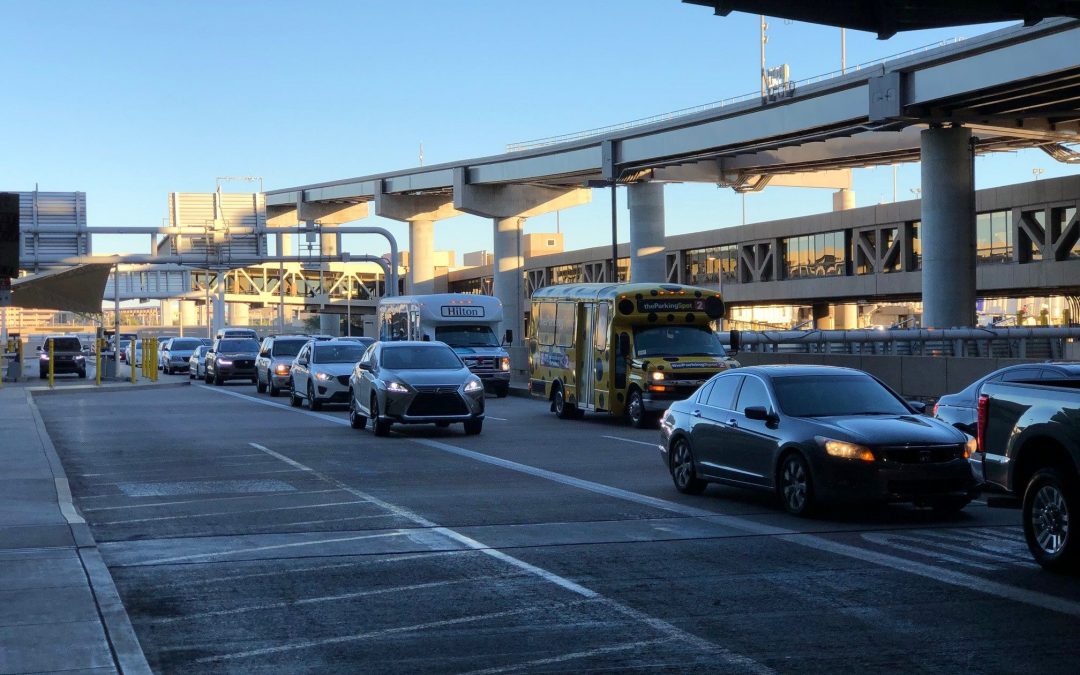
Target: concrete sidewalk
[(59, 608)]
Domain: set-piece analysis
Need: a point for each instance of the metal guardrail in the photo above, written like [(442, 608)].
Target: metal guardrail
[(722, 103), (1036, 342)]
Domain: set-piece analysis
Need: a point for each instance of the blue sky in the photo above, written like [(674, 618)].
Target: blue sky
[(128, 101)]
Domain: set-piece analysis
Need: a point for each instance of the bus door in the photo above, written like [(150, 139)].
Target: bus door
[(585, 355)]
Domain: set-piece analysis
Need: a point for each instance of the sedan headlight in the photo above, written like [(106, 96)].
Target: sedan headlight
[(971, 447), (396, 387), (80, 357), (43, 356), (845, 450), (474, 385), (224, 362), (323, 376)]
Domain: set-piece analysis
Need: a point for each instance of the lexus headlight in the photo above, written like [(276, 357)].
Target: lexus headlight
[(224, 362), (971, 447), (80, 357), (396, 387), (323, 376), (43, 356), (845, 450), (474, 385), (657, 375)]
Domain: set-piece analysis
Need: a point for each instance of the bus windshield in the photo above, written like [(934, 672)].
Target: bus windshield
[(466, 336), (676, 341)]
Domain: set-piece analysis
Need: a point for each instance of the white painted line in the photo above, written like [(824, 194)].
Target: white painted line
[(328, 520), (563, 658), (275, 547), (227, 513), (664, 627), (200, 501), (492, 417), (307, 644), (654, 446)]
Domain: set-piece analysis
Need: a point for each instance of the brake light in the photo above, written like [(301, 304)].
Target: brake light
[(980, 434)]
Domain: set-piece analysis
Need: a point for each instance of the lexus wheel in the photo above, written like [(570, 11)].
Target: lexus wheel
[(379, 426), (356, 418), (313, 404)]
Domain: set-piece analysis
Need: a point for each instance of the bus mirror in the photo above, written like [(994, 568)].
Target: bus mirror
[(509, 337), (624, 344), (734, 341)]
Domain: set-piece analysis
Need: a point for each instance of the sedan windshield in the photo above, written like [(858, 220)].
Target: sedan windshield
[(676, 341), (238, 346), (420, 358), (466, 336), (835, 395), (288, 347), (183, 345), (338, 353)]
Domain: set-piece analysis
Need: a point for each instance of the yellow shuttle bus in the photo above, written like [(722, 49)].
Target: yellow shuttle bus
[(626, 349)]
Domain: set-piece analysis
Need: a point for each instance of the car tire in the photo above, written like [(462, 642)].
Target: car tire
[(82, 374), (683, 473), (312, 402), (207, 378), (218, 381), (191, 374), (794, 485), (378, 427), (473, 427), (356, 418), (294, 398), (564, 410), (635, 411), (259, 386), (274, 391), (1049, 500)]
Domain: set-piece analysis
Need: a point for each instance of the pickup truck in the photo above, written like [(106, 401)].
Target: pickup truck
[(1029, 449)]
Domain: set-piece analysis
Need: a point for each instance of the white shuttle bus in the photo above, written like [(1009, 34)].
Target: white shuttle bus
[(468, 323)]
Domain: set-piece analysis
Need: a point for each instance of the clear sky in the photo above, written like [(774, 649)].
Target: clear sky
[(128, 101)]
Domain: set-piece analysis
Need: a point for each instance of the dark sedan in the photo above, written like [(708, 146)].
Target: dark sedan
[(960, 409), (814, 434), (414, 383), (231, 359)]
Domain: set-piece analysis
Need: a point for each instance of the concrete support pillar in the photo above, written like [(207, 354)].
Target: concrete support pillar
[(948, 228), (217, 312), (846, 316), (328, 241), (239, 314), (842, 200), (509, 268), (648, 259), (189, 315), (167, 307), (330, 324), (421, 279), (823, 316)]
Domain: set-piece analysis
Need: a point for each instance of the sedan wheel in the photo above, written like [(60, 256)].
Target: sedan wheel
[(682, 468), (259, 386), (473, 427), (274, 391), (356, 418), (1048, 502), (795, 488)]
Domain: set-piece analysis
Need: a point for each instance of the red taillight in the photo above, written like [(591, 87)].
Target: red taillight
[(980, 434)]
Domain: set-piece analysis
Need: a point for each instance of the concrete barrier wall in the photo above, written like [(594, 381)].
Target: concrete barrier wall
[(913, 376)]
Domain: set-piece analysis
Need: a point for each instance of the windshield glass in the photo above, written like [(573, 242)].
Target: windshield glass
[(66, 345), (676, 341), (338, 353), (828, 395), (466, 336), (183, 345), (420, 358), (238, 346), (202, 349), (287, 347)]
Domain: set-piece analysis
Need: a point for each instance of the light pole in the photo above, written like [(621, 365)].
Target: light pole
[(917, 191), (1037, 172)]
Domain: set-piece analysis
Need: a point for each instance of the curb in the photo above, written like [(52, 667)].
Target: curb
[(109, 388), (124, 643)]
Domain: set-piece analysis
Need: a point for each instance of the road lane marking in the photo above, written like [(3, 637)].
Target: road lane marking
[(563, 658), (210, 499), (492, 417), (672, 631), (655, 446), (272, 547), (187, 516)]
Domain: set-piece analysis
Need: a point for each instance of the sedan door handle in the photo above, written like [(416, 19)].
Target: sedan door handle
[(732, 423), (696, 413)]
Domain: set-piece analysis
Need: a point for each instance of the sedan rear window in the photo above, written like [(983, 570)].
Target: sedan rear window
[(828, 395), (420, 358)]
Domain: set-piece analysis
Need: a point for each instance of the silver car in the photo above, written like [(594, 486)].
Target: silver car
[(320, 372), (274, 365), (414, 383), (196, 363), (176, 354)]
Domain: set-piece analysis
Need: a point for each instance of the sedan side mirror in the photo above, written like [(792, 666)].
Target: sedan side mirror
[(760, 412), (918, 406), (364, 366)]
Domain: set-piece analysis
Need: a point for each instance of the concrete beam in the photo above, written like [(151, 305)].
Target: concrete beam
[(514, 201), (408, 208), (326, 214)]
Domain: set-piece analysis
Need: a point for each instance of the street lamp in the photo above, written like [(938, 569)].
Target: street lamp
[(917, 191), (1038, 172)]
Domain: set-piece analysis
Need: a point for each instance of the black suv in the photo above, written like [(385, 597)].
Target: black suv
[(67, 357), (231, 359)]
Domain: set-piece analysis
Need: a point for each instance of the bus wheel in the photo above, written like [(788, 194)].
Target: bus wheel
[(563, 410), (635, 410)]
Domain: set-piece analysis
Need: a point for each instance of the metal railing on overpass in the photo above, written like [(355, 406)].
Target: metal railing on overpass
[(1045, 342)]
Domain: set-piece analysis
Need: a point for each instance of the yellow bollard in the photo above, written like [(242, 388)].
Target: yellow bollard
[(52, 364), (153, 368), (131, 363), (97, 360)]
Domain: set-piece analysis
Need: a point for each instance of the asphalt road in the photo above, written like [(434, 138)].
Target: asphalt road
[(248, 536)]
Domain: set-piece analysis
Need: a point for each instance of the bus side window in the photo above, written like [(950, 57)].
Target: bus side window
[(564, 324), (600, 334), (621, 357), (545, 325)]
